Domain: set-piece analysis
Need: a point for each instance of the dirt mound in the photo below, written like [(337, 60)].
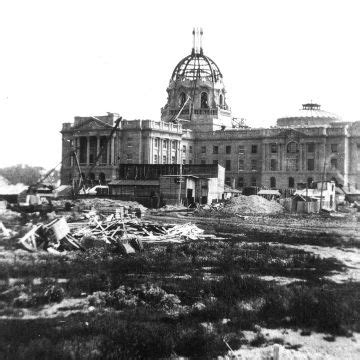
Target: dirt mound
[(252, 204), (243, 205)]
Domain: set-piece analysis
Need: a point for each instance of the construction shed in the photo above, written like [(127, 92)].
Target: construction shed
[(156, 185)]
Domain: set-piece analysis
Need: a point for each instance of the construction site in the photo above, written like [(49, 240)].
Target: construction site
[(191, 237)]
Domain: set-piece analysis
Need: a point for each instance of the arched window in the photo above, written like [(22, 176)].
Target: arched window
[(204, 100), (221, 100), (272, 182), (182, 99), (309, 182), (291, 182), (102, 178), (292, 147)]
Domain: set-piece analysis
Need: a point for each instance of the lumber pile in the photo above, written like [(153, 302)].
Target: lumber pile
[(126, 234)]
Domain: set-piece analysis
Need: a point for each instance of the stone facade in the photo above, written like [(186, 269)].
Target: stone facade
[(196, 128)]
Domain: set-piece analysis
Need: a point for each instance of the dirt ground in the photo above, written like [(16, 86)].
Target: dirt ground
[(244, 286)]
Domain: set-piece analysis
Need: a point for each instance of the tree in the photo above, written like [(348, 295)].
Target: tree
[(24, 174)]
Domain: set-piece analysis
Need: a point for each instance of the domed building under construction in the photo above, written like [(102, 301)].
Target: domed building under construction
[(197, 130)]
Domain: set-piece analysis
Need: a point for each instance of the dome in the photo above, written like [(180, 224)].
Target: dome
[(310, 115), (196, 66)]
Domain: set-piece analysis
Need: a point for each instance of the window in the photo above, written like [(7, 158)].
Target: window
[(129, 157), (228, 165), (240, 182), (173, 160), (241, 149), (253, 149), (173, 145), (220, 99), (164, 159), (253, 181), (292, 164), (291, 182), (228, 149), (253, 165), (310, 164), (155, 159), (241, 165), (309, 181), (184, 148), (182, 99), (333, 163), (190, 161), (310, 147), (202, 161), (215, 149), (190, 149), (203, 149), (215, 162), (164, 144), (292, 147), (129, 142), (204, 100), (334, 148), (156, 143), (272, 182), (273, 165), (184, 162), (228, 181), (273, 148)]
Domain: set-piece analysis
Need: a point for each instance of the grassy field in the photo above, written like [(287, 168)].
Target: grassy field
[(172, 299)]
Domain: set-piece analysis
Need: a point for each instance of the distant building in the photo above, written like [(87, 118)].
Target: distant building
[(197, 127)]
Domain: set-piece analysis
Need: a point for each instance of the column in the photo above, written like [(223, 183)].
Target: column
[(97, 148), (264, 159), (112, 150), (108, 146), (87, 150), (300, 156)]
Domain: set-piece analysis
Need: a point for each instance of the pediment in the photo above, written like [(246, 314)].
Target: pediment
[(92, 124)]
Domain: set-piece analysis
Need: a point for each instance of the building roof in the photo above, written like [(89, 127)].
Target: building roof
[(310, 115)]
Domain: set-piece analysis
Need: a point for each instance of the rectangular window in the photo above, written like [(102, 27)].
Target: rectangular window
[(203, 149), (310, 164), (215, 149), (253, 181), (228, 181), (129, 157), (202, 161), (228, 149), (228, 165), (173, 160), (184, 161), (215, 162), (174, 145), (253, 165), (184, 148), (164, 159), (240, 182), (253, 149), (241, 149), (273, 165), (190, 161), (310, 147), (241, 165), (155, 159), (333, 163), (129, 142), (164, 144), (156, 143), (334, 148), (273, 148), (190, 149)]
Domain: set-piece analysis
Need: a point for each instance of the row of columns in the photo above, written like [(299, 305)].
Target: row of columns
[(110, 150), (160, 151)]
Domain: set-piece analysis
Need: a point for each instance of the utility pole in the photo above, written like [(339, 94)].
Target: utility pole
[(322, 184)]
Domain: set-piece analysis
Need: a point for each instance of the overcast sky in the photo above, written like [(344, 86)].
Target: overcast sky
[(61, 59)]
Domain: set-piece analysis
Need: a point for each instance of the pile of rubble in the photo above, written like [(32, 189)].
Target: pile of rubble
[(242, 205), (126, 234)]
